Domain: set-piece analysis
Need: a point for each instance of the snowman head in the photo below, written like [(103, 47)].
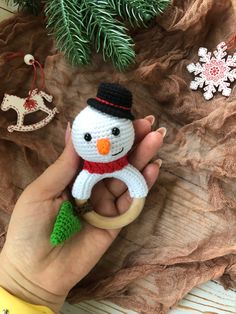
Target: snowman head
[(100, 137), (103, 131)]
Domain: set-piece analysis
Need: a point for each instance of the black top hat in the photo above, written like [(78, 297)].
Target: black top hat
[(113, 99)]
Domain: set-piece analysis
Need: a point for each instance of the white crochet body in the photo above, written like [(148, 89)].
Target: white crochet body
[(129, 175), (99, 125)]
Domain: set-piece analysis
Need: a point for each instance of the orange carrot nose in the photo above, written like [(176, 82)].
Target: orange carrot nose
[(103, 145)]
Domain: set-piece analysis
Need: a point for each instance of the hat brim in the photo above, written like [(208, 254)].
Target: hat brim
[(113, 111)]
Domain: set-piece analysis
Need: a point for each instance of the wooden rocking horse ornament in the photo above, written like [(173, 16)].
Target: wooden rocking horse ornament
[(33, 103), (24, 106)]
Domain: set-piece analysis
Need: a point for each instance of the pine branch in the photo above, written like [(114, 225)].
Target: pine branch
[(158, 6), (32, 6), (138, 12), (68, 26), (108, 34), (133, 11)]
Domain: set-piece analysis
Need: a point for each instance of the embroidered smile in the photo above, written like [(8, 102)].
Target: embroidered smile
[(118, 152)]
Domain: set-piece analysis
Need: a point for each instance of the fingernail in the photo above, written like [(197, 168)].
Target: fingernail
[(68, 132), (162, 131), (151, 119), (159, 162)]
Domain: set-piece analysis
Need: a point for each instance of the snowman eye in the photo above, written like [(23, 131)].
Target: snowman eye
[(115, 131), (87, 137)]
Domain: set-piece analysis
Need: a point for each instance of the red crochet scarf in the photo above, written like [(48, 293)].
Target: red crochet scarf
[(105, 167)]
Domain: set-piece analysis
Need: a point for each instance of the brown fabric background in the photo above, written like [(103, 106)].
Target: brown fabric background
[(186, 234)]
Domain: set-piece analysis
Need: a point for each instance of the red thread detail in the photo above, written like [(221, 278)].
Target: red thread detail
[(34, 81), (105, 167), (30, 104), (42, 74), (110, 104), (214, 70), (13, 55)]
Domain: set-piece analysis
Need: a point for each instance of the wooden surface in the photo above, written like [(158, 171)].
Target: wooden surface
[(209, 298)]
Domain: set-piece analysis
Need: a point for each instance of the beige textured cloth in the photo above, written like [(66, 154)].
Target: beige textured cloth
[(186, 234)]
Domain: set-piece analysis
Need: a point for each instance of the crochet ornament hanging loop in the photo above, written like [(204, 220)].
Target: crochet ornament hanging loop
[(215, 72), (33, 102)]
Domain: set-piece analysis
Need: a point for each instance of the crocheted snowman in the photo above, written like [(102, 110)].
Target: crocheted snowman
[(102, 135)]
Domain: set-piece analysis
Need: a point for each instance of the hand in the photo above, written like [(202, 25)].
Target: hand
[(41, 274)]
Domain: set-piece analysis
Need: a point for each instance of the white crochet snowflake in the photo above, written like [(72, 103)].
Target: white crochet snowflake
[(215, 72)]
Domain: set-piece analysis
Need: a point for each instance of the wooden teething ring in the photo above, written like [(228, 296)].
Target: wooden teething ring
[(104, 222)]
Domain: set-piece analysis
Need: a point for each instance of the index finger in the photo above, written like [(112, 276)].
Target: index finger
[(141, 127), (58, 176)]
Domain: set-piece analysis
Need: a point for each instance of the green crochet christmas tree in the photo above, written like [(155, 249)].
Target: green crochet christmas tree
[(80, 25), (66, 225)]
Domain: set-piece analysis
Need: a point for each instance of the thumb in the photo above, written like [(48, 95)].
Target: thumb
[(56, 178)]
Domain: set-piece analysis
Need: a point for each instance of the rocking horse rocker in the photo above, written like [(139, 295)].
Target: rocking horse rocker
[(24, 106)]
